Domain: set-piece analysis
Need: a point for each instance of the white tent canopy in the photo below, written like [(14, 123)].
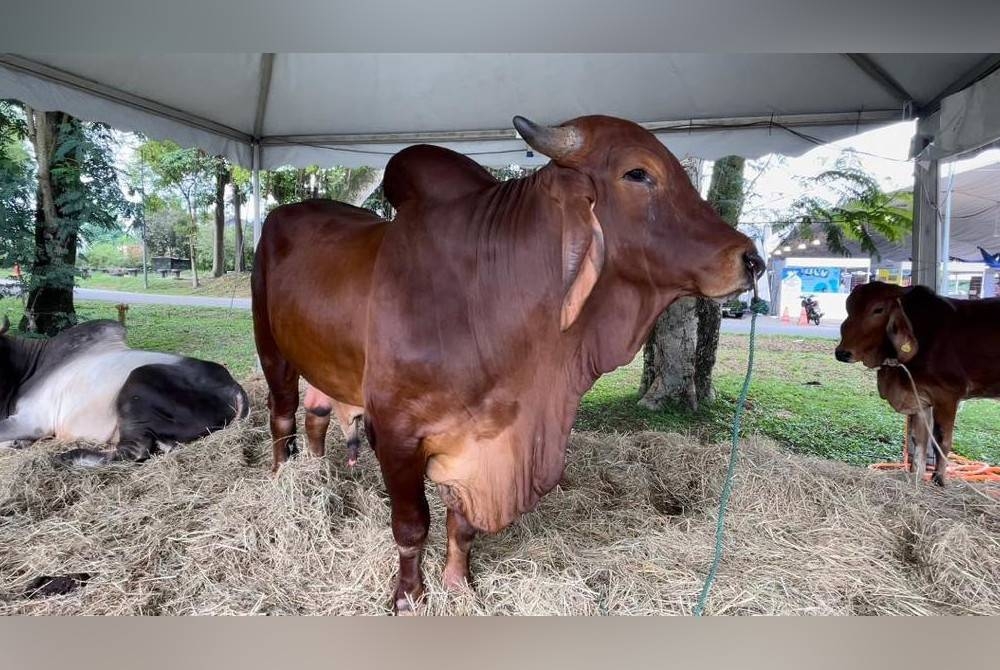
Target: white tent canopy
[(268, 110), (360, 108)]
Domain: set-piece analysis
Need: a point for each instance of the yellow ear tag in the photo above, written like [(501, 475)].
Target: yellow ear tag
[(906, 348)]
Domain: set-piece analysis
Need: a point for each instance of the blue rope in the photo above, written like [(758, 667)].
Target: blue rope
[(757, 306)]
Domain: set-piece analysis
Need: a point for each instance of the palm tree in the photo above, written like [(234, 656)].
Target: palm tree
[(863, 213)]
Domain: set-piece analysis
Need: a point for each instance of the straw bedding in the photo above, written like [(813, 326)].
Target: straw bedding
[(206, 530)]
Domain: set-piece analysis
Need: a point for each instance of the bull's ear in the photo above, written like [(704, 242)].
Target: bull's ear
[(900, 332), (582, 261)]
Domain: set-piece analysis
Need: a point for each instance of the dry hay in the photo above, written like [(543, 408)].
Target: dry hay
[(205, 530)]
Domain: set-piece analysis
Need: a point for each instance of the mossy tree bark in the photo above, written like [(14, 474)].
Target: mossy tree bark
[(679, 356)]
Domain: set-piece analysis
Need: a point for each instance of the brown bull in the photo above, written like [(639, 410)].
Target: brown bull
[(950, 347), (469, 327)]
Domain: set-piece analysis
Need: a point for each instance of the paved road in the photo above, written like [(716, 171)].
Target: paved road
[(159, 299), (772, 325), (767, 325)]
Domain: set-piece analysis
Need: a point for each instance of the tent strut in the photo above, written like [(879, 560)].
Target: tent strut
[(865, 63), (266, 68)]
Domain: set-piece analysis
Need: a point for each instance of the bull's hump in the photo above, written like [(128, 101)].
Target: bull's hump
[(432, 174)]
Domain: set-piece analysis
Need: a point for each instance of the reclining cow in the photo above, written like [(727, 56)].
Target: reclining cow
[(951, 347), (86, 384), (468, 329)]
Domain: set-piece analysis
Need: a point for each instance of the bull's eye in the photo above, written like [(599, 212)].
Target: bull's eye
[(878, 310), (637, 175)]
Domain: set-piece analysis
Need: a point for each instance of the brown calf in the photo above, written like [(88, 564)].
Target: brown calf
[(950, 347)]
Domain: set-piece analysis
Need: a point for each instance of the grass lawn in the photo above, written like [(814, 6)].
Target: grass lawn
[(800, 395), (236, 286), (227, 286)]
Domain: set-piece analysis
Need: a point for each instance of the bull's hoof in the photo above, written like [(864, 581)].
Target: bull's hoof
[(456, 581), (407, 606), (938, 479)]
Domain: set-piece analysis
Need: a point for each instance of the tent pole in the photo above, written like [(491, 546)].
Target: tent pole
[(142, 191), (925, 223), (255, 179), (946, 232)]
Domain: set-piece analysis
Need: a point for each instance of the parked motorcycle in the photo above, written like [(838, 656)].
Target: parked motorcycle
[(812, 309)]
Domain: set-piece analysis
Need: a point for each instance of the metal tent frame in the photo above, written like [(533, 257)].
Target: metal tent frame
[(927, 229)]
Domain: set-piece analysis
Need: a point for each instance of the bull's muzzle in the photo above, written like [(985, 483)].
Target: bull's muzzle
[(755, 265), (843, 355)]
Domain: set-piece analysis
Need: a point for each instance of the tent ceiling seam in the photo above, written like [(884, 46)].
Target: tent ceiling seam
[(266, 68), (688, 125), (888, 83)]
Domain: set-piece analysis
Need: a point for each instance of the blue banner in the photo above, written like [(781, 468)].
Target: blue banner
[(815, 280)]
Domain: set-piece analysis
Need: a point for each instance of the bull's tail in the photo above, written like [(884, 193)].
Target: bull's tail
[(84, 458), (242, 403)]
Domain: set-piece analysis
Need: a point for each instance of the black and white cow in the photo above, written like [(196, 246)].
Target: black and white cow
[(86, 384)]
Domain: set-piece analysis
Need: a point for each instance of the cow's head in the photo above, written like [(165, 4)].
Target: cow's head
[(649, 224), (877, 327)]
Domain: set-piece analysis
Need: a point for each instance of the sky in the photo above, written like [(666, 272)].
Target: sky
[(783, 178), (882, 152)]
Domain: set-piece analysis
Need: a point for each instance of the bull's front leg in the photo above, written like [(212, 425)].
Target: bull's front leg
[(921, 426), (403, 471)]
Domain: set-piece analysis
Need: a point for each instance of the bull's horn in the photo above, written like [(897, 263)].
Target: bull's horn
[(5, 326), (556, 142)]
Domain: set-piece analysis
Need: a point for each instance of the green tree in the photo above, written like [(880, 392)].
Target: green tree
[(187, 172), (78, 193), (351, 185), (164, 231), (17, 184), (860, 211), (241, 183), (223, 176)]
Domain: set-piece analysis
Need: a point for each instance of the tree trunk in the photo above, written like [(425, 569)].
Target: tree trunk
[(194, 260), (219, 240), (50, 307), (669, 353), (361, 184), (725, 195), (680, 354), (709, 315), (192, 241), (239, 265), (668, 370)]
